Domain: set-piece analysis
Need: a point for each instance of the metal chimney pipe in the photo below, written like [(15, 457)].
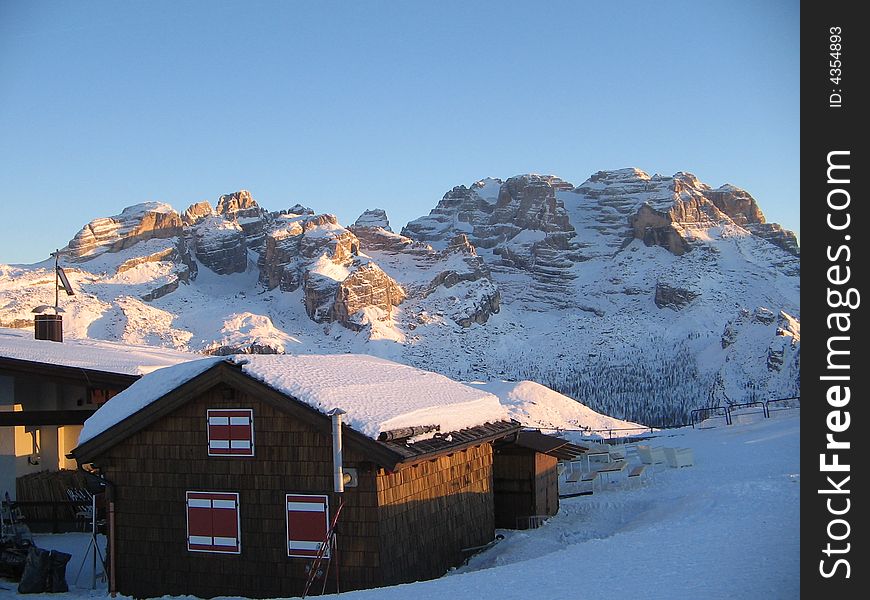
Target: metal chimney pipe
[(338, 470)]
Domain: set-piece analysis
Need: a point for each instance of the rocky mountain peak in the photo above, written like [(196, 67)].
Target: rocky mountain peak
[(738, 204), (238, 204), (375, 217), (297, 209), (196, 212), (529, 202), (137, 223), (488, 188), (631, 174), (242, 207)]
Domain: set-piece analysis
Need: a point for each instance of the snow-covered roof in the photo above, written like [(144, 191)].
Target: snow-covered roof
[(376, 394), (142, 393), (536, 405), (108, 357)]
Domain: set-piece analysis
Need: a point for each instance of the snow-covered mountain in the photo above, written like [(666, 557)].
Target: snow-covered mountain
[(641, 296)]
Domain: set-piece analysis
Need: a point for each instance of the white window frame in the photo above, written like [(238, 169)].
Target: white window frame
[(300, 551), (210, 541), (213, 445)]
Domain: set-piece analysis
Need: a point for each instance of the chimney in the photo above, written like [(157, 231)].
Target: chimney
[(48, 327), (337, 466)]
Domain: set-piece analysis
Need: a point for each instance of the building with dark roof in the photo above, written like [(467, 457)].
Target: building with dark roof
[(48, 390), (224, 486)]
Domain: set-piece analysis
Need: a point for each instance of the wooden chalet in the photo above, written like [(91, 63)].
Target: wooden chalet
[(223, 485)]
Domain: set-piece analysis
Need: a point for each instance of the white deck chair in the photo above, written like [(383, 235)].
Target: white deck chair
[(636, 475), (651, 456), (679, 457)]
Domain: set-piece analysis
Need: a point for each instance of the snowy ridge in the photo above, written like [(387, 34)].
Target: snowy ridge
[(537, 406), (616, 292)]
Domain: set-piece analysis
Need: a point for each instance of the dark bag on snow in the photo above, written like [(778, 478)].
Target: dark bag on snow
[(57, 579), (37, 567)]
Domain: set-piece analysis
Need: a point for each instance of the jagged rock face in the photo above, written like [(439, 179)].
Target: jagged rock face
[(196, 213), (318, 295), (678, 201), (761, 346), (462, 288), (673, 297), (474, 267), (480, 308), (323, 231), (522, 202), (184, 269), (737, 204), (776, 235), (238, 204), (367, 286), (241, 207), (378, 238), (459, 205), (278, 259), (220, 245), (529, 202), (523, 224), (673, 204), (337, 296), (295, 241), (461, 244), (296, 209), (373, 218), (322, 257), (135, 224), (656, 229), (525, 278)]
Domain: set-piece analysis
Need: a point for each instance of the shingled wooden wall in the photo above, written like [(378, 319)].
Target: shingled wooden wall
[(154, 468), (431, 510)]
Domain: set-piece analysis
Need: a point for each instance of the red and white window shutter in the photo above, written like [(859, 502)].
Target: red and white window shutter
[(213, 522), (230, 432), (307, 525)]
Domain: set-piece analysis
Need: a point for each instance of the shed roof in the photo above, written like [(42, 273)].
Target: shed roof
[(547, 444)]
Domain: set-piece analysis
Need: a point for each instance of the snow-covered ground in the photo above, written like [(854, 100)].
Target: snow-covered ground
[(727, 527)]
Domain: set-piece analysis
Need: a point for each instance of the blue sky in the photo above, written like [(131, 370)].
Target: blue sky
[(344, 106)]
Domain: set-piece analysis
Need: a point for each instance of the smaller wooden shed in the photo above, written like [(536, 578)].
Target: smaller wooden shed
[(525, 477)]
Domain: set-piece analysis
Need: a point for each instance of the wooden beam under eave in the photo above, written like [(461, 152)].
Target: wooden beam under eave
[(29, 418)]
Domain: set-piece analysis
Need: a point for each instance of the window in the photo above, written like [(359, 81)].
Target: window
[(213, 522), (307, 525), (230, 432)]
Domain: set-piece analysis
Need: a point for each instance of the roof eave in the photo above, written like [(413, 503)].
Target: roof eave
[(73, 375), (413, 460)]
